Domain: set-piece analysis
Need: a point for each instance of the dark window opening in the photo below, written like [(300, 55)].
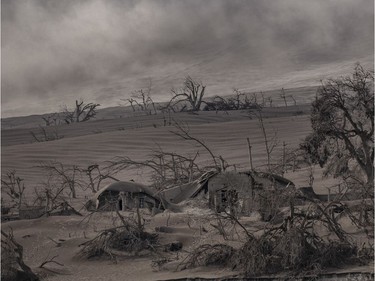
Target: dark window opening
[(224, 198), (120, 205)]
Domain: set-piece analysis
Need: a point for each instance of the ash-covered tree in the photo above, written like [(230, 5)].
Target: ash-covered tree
[(342, 120), (82, 112), (191, 95)]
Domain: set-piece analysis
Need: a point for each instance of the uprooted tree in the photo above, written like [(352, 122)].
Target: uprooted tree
[(343, 127)]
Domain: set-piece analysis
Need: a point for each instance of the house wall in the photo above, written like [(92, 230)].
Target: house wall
[(111, 200), (254, 193), (222, 184)]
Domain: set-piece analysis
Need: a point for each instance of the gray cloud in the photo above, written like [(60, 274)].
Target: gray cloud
[(53, 51)]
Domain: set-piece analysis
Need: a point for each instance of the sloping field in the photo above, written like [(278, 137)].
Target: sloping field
[(99, 141)]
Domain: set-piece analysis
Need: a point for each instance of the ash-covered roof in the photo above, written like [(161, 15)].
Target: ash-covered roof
[(126, 186)]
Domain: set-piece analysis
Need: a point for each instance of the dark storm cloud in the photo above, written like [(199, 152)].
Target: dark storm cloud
[(60, 47)]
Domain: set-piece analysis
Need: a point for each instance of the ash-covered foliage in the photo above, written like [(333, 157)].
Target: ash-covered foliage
[(109, 242), (206, 255), (295, 247)]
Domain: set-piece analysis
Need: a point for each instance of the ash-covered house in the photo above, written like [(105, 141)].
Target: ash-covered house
[(246, 192), (124, 195), (239, 193)]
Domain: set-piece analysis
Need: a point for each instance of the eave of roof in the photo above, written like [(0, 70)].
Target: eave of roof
[(126, 186)]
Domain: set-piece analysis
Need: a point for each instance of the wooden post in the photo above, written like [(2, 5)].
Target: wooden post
[(284, 97), (250, 157), (284, 155), (47, 202), (174, 168)]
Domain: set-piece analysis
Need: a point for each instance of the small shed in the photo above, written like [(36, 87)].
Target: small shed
[(123, 195)]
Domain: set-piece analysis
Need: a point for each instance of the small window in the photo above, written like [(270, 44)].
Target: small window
[(224, 196)]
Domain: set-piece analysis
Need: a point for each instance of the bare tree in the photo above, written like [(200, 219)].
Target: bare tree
[(269, 99), (141, 99), (294, 100), (168, 168), (67, 177), (96, 175), (283, 96), (269, 142), (184, 133), (81, 113), (192, 93), (14, 187)]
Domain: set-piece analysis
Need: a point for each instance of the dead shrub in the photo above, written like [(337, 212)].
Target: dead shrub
[(296, 250), (133, 241), (108, 242), (335, 254), (270, 202), (254, 258), (206, 255), (293, 249)]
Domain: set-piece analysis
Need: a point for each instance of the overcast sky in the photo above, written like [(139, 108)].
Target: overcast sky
[(54, 50)]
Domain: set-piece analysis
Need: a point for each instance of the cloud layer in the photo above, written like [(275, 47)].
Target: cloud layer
[(53, 51)]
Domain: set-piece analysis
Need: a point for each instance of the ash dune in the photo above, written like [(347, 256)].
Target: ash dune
[(103, 140)]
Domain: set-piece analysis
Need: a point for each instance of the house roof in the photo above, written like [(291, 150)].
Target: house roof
[(308, 192), (125, 186), (241, 180), (270, 176), (188, 190)]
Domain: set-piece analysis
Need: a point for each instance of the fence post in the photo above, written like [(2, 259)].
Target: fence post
[(250, 157)]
